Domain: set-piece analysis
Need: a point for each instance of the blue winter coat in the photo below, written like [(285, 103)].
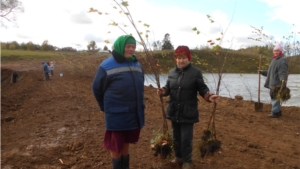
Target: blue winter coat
[(119, 90), (45, 67)]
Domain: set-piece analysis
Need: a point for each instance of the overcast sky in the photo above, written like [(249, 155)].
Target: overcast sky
[(67, 23)]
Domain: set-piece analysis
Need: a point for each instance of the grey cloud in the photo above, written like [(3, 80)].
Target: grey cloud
[(81, 18), (215, 29), (245, 42), (23, 36), (243, 39)]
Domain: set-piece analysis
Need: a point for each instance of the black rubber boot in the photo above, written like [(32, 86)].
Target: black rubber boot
[(125, 162), (117, 163)]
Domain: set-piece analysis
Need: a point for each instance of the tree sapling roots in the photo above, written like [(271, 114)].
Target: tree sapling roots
[(208, 145)]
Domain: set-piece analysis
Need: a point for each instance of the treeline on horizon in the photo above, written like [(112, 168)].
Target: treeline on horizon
[(165, 44), (45, 46), (92, 47)]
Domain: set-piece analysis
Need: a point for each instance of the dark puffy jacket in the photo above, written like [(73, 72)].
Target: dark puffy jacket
[(119, 90), (183, 87), (278, 71)]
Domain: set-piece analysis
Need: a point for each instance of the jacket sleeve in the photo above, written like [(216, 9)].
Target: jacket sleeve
[(167, 89), (98, 86), (201, 86), (283, 70), (264, 73)]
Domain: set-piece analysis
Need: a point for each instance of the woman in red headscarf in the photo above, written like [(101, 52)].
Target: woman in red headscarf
[(183, 85)]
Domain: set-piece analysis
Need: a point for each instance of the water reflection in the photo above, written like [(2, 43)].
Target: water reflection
[(245, 85)]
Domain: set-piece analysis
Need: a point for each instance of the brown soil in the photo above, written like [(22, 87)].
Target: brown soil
[(57, 124)]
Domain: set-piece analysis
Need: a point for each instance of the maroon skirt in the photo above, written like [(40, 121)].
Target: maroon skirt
[(114, 140)]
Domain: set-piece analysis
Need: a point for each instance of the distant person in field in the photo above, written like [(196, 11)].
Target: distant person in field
[(14, 77), (51, 68), (183, 85), (48, 63), (46, 70), (119, 90), (277, 75)]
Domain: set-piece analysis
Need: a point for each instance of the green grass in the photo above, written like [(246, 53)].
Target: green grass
[(22, 55)]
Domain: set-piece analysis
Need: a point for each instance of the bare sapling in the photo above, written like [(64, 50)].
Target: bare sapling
[(209, 144), (162, 143), (246, 84)]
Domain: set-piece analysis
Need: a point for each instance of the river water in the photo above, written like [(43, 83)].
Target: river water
[(245, 85)]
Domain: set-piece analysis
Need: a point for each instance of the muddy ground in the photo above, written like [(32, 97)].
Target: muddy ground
[(57, 124)]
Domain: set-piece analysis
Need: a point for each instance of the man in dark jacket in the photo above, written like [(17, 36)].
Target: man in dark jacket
[(277, 75), (183, 85), (119, 90)]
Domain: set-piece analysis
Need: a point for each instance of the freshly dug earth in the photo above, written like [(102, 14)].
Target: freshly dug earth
[(57, 124)]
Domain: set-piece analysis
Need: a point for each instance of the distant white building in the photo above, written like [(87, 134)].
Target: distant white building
[(103, 51)]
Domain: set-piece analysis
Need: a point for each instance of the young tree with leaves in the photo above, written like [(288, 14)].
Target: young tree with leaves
[(209, 142)]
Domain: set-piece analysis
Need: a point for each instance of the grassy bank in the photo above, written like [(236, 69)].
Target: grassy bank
[(206, 60), (24, 55)]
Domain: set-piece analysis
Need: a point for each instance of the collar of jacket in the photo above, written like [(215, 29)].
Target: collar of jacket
[(119, 58), (184, 69), (278, 57)]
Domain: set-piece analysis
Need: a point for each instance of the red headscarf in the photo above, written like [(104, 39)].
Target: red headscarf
[(183, 49)]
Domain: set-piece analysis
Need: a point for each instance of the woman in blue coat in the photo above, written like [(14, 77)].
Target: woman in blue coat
[(119, 90)]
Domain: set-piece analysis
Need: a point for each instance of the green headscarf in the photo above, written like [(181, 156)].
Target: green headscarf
[(119, 45)]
